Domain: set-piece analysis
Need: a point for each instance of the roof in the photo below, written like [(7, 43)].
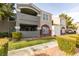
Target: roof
[(40, 9)]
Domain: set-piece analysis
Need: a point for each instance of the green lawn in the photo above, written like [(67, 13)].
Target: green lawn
[(22, 44)]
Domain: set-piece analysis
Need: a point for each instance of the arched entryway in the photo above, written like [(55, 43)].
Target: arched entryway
[(45, 30), (63, 31)]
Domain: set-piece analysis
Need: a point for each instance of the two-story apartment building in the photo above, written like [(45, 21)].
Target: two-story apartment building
[(32, 21)]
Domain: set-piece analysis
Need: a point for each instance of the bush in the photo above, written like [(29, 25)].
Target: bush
[(3, 47), (77, 39), (17, 35), (67, 44), (3, 34)]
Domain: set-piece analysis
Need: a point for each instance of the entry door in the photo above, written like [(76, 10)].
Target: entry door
[(45, 30)]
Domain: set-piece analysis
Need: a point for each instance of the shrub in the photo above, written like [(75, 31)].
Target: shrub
[(17, 35), (3, 47), (3, 34), (77, 39), (67, 44), (48, 37)]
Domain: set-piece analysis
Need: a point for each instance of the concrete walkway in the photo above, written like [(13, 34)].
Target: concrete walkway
[(29, 51)]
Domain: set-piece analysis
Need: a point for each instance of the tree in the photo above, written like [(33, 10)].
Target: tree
[(1, 10), (69, 21), (6, 10)]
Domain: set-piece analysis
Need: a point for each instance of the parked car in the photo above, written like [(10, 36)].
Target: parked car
[(71, 31)]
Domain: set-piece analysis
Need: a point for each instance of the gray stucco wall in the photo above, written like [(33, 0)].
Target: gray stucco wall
[(30, 33), (6, 25), (27, 19)]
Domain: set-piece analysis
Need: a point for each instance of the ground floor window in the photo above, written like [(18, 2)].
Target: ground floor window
[(26, 27)]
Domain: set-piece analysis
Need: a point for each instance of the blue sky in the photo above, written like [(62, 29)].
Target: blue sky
[(72, 9)]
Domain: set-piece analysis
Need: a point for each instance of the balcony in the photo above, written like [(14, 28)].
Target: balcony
[(27, 19), (30, 33)]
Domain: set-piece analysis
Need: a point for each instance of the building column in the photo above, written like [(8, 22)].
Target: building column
[(39, 29), (17, 27)]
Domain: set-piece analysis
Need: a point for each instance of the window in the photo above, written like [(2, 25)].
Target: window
[(45, 17), (25, 27), (62, 22)]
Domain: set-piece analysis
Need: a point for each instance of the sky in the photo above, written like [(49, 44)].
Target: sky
[(71, 9)]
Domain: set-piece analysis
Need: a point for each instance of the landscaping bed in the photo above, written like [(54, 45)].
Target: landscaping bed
[(22, 44), (66, 43)]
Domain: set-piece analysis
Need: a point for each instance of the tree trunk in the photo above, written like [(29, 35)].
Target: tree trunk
[(0, 18)]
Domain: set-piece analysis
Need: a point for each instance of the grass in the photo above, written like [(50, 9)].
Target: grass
[(22, 44)]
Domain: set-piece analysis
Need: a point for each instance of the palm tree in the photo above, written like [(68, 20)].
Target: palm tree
[(69, 21), (1, 10), (6, 11)]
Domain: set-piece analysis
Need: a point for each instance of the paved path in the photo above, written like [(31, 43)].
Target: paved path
[(29, 51), (53, 51), (46, 49)]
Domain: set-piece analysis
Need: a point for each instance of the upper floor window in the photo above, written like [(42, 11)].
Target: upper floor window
[(45, 17), (62, 22)]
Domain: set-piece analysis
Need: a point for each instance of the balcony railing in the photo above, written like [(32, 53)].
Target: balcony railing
[(30, 33), (25, 18)]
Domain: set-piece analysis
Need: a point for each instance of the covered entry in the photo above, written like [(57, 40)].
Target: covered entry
[(26, 27), (45, 30), (29, 30)]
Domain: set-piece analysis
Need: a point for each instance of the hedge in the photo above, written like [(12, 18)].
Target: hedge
[(77, 39), (3, 47), (66, 44), (4, 34), (17, 35)]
